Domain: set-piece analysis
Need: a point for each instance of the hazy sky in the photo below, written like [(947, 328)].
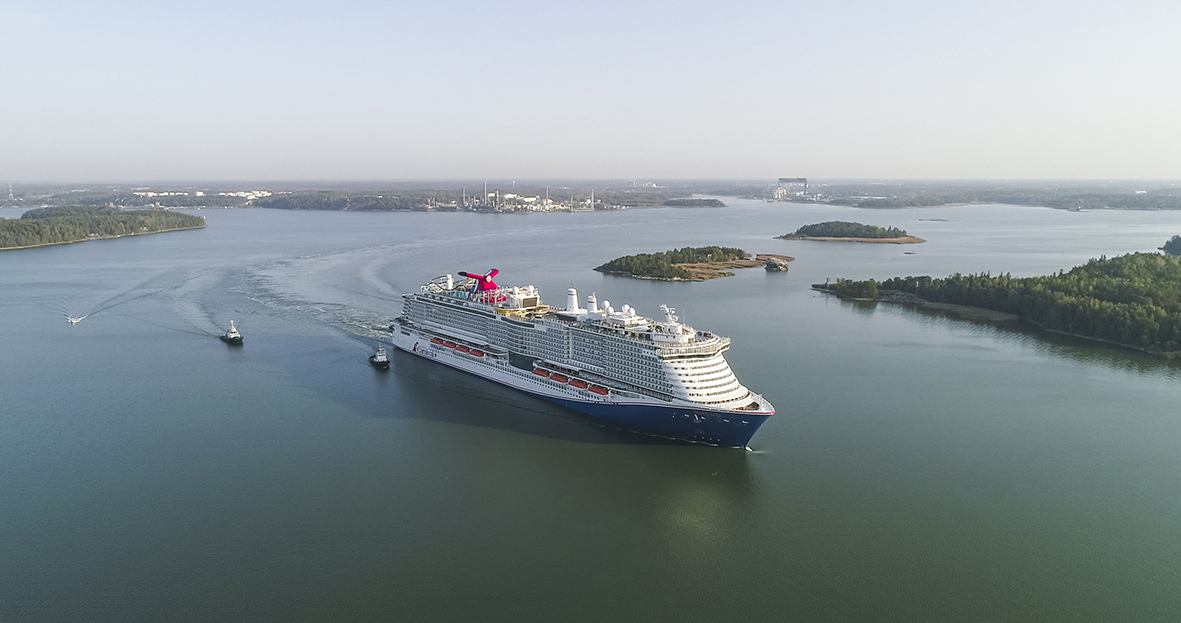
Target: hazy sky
[(93, 91)]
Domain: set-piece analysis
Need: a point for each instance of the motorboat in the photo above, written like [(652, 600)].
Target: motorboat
[(232, 336), (379, 360)]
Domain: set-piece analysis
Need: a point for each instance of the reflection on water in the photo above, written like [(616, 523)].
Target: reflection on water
[(1029, 338), (700, 510)]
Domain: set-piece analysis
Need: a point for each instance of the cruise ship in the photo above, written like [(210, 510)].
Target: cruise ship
[(656, 376)]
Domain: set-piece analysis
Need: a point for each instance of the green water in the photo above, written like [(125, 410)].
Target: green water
[(920, 468)]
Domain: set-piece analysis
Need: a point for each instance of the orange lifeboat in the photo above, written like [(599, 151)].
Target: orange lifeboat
[(477, 353), (540, 372), (435, 340), (595, 389), (448, 344), (463, 349), (558, 377), (580, 384)]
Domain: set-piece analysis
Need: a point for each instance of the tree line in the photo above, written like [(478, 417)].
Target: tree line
[(335, 200), (663, 265), (72, 224), (1163, 199), (1132, 299), (694, 203), (846, 229)]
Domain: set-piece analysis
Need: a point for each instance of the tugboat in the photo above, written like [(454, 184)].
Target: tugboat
[(378, 360), (232, 336)]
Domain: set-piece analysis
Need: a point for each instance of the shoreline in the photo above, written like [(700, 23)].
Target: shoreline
[(982, 314), (89, 238), (965, 312), (902, 240)]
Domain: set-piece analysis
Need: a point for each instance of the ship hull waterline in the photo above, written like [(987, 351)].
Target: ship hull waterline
[(684, 423)]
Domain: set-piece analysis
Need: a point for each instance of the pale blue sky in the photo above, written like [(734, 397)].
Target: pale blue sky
[(94, 91)]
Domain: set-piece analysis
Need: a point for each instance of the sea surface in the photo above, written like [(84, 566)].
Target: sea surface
[(920, 467)]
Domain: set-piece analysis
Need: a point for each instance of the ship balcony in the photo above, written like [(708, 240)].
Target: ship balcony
[(714, 344)]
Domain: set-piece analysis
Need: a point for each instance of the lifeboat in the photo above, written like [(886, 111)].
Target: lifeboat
[(558, 377), (448, 344), (540, 372), (580, 384), (435, 340), (463, 349), (595, 389), (476, 353)]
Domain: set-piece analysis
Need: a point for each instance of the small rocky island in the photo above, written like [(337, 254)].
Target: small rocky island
[(844, 231), (61, 225), (691, 264), (694, 203)]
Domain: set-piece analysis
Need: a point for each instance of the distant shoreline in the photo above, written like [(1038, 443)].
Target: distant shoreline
[(89, 238), (901, 240)]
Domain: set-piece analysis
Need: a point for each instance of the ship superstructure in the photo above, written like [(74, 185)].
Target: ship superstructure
[(657, 376)]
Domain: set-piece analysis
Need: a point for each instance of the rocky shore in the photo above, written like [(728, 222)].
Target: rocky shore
[(702, 271)]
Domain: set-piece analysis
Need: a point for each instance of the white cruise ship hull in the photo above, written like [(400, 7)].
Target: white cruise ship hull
[(673, 419)]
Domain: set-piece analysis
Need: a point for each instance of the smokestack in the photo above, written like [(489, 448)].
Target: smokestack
[(572, 300), (592, 304)]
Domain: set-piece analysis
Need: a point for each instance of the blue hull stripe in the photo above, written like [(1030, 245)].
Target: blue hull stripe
[(720, 429), (701, 426)]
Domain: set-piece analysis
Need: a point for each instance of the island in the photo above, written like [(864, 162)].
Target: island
[(1133, 300), (691, 264), (63, 225), (844, 231), (1172, 246), (694, 203)]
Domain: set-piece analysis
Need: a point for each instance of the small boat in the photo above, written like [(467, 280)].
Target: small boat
[(476, 353), (378, 360), (558, 377), (75, 320), (232, 336), (579, 383), (596, 389), (540, 372), (435, 340), (463, 349), (448, 344)]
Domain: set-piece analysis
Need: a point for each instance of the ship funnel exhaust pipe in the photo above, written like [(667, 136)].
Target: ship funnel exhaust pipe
[(572, 300), (592, 304)]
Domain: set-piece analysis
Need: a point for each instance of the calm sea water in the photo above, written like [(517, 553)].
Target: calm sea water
[(919, 468)]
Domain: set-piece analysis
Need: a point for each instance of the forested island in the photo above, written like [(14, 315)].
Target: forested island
[(60, 225), (1132, 300), (845, 231), (694, 203), (687, 264), (1173, 246)]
